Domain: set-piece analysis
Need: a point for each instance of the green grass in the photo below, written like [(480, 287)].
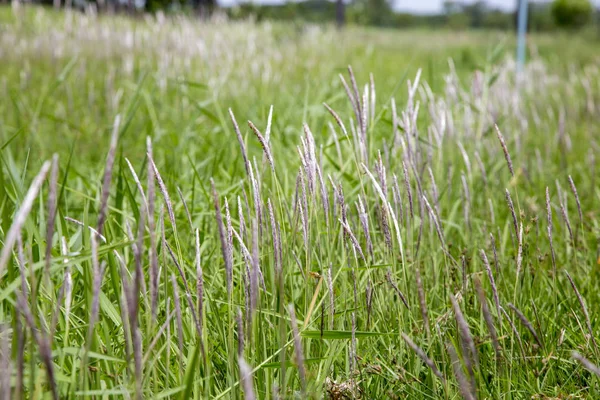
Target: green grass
[(64, 81)]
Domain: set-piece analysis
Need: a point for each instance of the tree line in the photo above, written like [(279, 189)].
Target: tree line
[(455, 14)]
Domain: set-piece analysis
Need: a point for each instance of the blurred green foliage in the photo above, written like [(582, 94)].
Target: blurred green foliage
[(572, 13)]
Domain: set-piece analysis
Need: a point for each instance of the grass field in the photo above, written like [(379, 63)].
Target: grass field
[(379, 240)]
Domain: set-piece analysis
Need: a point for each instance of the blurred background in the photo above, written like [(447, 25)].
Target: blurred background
[(543, 15)]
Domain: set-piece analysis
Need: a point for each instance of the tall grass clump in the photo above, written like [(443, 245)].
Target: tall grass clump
[(342, 244)]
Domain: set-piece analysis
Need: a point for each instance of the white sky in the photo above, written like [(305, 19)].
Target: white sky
[(416, 6)]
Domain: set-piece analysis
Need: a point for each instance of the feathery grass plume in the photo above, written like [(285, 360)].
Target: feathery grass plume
[(408, 189), (505, 150), (465, 157), (22, 267), (574, 190), (549, 220), (587, 364), (255, 267), (264, 144), (256, 196), (92, 230), (296, 197), (240, 331), (324, 196), (466, 390), (463, 265), (584, 309), (246, 379), (482, 168), (353, 239), (236, 128), (364, 117), (163, 190), (495, 253), (526, 323), (185, 207), (467, 200), (567, 222), (490, 275), (422, 300), (276, 245), (298, 348), (52, 208), (199, 282), (153, 253), (269, 120), (388, 277), (372, 95), (241, 218), (110, 161), (383, 216), (337, 119), (178, 318), (421, 354), (466, 339), (42, 341), (369, 300), (225, 249), (331, 296), (436, 223), (520, 250), (364, 221), (355, 89), (397, 198), (310, 157), (489, 320), (434, 191), (304, 225), (21, 215), (229, 230), (136, 179), (511, 207), (354, 100)]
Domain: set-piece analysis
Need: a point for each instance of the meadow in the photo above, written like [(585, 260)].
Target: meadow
[(215, 209)]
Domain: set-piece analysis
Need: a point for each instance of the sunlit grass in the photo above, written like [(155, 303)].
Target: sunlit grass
[(387, 245)]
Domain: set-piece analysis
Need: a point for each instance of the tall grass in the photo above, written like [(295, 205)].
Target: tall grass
[(292, 263)]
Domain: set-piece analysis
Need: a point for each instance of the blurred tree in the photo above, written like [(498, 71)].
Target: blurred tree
[(156, 5), (340, 13), (476, 13), (540, 17), (372, 12), (204, 7), (572, 13)]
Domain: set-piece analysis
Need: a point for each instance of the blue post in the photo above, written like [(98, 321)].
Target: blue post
[(522, 32)]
